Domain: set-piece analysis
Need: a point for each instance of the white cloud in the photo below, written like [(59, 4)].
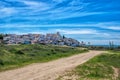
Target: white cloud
[(31, 3), (114, 27), (77, 31), (109, 25), (76, 2), (7, 12), (34, 3), (48, 11), (82, 25), (23, 32), (42, 8), (46, 25), (65, 15)]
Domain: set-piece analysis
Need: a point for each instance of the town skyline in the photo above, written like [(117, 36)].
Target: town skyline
[(50, 38), (36, 38)]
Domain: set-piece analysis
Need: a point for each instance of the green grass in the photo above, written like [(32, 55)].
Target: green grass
[(101, 67), (13, 56)]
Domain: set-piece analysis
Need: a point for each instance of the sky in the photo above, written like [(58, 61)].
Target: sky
[(95, 21)]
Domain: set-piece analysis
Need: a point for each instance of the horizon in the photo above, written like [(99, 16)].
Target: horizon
[(85, 41), (97, 22)]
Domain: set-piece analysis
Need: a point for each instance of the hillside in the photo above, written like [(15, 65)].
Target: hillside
[(102, 67), (48, 70), (12, 56)]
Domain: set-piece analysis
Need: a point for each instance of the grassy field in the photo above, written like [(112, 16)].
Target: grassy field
[(102, 67), (13, 56)]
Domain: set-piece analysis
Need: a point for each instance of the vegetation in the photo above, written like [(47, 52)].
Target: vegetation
[(117, 48), (102, 67), (12, 56), (1, 36)]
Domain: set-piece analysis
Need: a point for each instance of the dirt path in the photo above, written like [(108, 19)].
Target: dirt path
[(48, 71)]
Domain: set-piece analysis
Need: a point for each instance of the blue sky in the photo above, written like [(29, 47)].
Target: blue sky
[(96, 21)]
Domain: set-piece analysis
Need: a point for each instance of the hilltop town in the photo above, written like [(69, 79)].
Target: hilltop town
[(55, 39)]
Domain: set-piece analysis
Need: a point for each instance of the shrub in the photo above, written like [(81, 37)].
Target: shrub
[(1, 62), (20, 52), (32, 55), (53, 51)]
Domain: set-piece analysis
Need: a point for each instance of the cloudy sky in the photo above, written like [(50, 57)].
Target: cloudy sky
[(97, 21)]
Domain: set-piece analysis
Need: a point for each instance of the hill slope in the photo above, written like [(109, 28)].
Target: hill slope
[(102, 67), (48, 71), (12, 56)]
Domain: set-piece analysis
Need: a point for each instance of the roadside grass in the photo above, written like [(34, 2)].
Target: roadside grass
[(14, 56), (103, 67)]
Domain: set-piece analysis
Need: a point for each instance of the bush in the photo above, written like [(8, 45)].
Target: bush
[(1, 62), (32, 55), (20, 52), (1, 36), (53, 51)]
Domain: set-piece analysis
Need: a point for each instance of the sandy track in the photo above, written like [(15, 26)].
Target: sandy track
[(47, 71)]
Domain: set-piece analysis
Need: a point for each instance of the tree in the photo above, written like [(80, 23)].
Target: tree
[(1, 36), (63, 37)]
